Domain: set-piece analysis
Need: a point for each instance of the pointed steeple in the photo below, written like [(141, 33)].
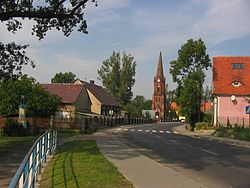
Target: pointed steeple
[(159, 72)]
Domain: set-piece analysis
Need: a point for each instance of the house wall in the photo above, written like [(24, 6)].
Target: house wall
[(235, 110), (66, 111), (95, 104), (83, 102)]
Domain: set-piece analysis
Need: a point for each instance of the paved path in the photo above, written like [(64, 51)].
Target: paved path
[(10, 162)]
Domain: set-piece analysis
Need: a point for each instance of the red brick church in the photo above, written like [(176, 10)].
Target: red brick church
[(159, 97)]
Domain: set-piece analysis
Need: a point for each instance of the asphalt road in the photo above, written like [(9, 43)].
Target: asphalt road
[(212, 163)]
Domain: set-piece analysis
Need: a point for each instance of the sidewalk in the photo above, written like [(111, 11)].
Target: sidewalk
[(207, 135), (140, 170)]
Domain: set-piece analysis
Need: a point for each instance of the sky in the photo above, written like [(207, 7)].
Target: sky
[(141, 28)]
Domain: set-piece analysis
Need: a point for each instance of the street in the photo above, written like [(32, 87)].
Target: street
[(211, 163)]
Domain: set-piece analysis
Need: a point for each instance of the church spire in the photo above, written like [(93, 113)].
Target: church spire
[(159, 72)]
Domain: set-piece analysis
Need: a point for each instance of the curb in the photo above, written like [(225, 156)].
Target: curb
[(210, 137)]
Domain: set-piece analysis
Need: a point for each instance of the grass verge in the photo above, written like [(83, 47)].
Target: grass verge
[(9, 143), (80, 164), (235, 133)]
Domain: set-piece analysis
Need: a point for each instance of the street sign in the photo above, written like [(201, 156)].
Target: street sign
[(247, 109)]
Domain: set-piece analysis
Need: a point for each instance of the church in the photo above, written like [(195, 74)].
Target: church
[(159, 95)]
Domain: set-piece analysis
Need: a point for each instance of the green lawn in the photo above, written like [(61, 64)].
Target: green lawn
[(68, 133), (80, 164), (9, 143)]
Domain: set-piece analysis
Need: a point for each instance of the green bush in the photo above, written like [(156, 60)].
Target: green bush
[(207, 118), (203, 126), (236, 133), (13, 128)]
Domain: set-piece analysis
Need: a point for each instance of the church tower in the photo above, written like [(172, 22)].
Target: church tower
[(159, 98)]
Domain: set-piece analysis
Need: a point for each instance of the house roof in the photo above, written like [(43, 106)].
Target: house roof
[(102, 95), (224, 75), (67, 92)]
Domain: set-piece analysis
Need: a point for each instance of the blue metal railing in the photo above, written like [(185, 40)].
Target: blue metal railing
[(26, 175)]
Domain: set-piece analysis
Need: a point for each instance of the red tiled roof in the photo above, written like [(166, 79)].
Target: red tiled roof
[(67, 92), (224, 75), (102, 95)]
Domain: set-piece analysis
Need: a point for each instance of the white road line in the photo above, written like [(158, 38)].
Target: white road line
[(140, 130), (161, 131), (118, 129), (173, 141), (175, 132), (168, 132), (207, 151), (132, 130), (125, 129), (146, 131), (154, 131)]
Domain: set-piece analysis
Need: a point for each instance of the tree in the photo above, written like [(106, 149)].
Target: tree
[(138, 104), (170, 98), (117, 76), (13, 57), (64, 15), (39, 102), (187, 71), (67, 77)]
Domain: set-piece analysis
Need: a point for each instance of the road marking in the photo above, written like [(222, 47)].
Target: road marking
[(132, 130), (207, 151), (173, 141), (140, 130), (168, 132), (161, 131), (146, 131), (125, 129), (154, 131), (175, 132), (118, 129)]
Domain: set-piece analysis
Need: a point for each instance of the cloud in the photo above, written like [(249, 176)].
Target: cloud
[(46, 69)]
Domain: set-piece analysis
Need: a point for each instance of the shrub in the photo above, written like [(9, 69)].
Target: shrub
[(13, 128), (203, 126), (207, 118)]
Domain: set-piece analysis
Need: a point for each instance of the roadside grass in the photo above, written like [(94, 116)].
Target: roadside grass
[(233, 132), (10, 143), (80, 164), (64, 133)]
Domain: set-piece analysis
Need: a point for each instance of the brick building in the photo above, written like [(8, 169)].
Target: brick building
[(159, 97), (231, 89)]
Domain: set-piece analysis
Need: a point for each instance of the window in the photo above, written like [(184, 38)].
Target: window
[(158, 89), (238, 66), (236, 84)]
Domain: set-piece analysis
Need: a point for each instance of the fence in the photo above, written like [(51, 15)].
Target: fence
[(30, 167), (234, 121), (44, 123)]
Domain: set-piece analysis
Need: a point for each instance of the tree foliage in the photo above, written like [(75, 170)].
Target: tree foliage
[(170, 98), (117, 75), (136, 106), (13, 57), (187, 71), (39, 102), (67, 77), (64, 15)]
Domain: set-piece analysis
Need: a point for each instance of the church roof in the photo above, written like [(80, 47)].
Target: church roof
[(159, 72)]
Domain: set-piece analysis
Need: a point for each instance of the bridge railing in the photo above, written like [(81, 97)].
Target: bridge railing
[(26, 175)]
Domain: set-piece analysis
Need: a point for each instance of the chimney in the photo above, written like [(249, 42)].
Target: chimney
[(92, 82)]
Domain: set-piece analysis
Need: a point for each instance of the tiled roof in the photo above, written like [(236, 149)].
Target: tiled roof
[(67, 92), (101, 94), (224, 75)]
